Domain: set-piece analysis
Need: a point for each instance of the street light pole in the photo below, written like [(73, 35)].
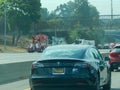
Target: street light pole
[(5, 24), (111, 9)]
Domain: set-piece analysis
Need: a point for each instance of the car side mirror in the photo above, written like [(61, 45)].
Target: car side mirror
[(107, 59)]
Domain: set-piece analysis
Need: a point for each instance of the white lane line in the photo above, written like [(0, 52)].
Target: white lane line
[(27, 89)]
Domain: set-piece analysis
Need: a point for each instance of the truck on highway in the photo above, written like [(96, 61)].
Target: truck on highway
[(39, 43), (84, 42)]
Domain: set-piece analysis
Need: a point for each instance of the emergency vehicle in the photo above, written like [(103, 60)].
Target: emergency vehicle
[(39, 43)]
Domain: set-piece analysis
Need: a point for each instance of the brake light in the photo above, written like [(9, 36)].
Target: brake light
[(114, 54), (36, 65), (83, 65)]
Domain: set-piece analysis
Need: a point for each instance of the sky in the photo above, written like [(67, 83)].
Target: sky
[(103, 6)]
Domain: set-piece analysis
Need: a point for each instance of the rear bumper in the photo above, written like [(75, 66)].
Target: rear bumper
[(61, 82), (61, 88)]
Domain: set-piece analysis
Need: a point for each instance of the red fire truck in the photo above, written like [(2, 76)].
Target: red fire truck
[(39, 43)]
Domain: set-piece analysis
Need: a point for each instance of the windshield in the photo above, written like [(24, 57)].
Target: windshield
[(64, 53)]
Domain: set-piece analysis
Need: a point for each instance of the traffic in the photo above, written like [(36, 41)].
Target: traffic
[(23, 83), (59, 45)]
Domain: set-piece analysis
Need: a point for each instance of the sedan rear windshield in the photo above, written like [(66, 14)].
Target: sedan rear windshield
[(64, 53)]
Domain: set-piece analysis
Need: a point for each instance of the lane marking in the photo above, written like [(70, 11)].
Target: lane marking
[(27, 89)]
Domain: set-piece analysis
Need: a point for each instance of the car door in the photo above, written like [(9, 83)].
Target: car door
[(102, 66)]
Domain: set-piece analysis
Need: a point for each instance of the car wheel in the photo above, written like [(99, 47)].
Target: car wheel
[(108, 85), (97, 85), (112, 69)]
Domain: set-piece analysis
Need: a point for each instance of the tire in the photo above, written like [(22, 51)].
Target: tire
[(112, 69), (108, 85), (97, 85)]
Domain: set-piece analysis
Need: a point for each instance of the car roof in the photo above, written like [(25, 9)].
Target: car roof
[(70, 46)]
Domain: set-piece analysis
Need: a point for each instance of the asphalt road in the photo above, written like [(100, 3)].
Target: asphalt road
[(24, 84), (18, 85)]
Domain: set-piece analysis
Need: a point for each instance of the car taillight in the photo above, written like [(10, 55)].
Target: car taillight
[(114, 54), (82, 68), (82, 65), (37, 64), (86, 66)]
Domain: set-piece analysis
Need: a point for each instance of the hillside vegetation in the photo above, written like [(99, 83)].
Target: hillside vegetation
[(12, 49)]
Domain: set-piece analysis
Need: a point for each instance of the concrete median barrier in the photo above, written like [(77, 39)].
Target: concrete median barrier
[(17, 71), (14, 71)]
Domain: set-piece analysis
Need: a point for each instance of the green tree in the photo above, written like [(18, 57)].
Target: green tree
[(78, 13), (20, 15), (44, 14), (97, 35), (82, 12), (94, 17), (42, 23)]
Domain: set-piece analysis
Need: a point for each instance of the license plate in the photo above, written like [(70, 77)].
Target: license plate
[(58, 70)]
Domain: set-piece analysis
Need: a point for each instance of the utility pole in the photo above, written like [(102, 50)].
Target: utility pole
[(111, 20), (111, 9), (5, 9)]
